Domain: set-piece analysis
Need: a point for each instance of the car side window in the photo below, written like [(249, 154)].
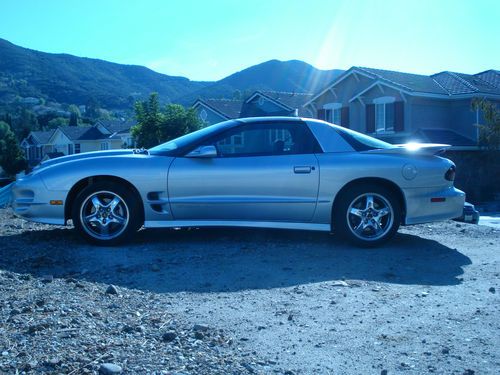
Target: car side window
[(265, 140)]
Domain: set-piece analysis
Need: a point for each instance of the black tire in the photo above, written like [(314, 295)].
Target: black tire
[(106, 213), (364, 225)]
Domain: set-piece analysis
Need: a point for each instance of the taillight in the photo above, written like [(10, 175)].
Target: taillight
[(450, 173)]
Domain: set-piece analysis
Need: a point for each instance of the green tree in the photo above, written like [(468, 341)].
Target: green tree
[(489, 132), (178, 121), (149, 117), (73, 119), (92, 109), (155, 126), (12, 158), (74, 115), (56, 122)]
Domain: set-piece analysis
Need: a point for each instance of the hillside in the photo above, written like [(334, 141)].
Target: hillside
[(70, 79), (273, 75)]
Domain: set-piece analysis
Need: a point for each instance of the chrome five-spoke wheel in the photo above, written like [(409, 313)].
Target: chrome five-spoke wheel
[(370, 216), (104, 215), (367, 214)]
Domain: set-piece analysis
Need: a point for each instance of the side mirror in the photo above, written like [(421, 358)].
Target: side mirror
[(203, 152)]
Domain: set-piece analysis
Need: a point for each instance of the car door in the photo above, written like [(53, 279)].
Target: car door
[(262, 172)]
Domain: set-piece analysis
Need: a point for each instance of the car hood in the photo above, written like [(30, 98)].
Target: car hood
[(85, 155)]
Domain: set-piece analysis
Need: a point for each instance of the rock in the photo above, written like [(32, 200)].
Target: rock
[(492, 290), (128, 329), (445, 351), (37, 327), (112, 290), (15, 312), (384, 372), (47, 279), (198, 335), (290, 317), (169, 336), (249, 368), (200, 327), (339, 283), (110, 369), (469, 372)]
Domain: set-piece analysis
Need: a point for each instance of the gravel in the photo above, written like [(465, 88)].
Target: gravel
[(249, 301)]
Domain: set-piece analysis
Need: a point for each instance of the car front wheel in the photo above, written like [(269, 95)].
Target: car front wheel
[(367, 215), (106, 213)]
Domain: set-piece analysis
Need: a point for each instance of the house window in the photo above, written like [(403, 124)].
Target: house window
[(384, 114), (203, 115), (104, 146), (333, 112), (77, 148), (70, 149)]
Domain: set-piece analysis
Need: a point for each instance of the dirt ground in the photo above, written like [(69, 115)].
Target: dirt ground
[(272, 301)]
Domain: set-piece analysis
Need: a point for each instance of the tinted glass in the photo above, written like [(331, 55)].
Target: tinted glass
[(190, 138), (361, 142), (266, 139)]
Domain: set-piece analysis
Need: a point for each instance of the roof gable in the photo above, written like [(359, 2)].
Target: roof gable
[(227, 108), (445, 84), (258, 94), (41, 137)]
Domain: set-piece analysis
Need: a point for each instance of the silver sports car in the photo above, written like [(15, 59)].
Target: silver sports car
[(272, 172)]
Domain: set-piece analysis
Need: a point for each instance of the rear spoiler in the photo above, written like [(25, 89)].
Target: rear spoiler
[(413, 149)]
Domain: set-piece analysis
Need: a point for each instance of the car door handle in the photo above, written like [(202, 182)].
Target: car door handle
[(302, 169)]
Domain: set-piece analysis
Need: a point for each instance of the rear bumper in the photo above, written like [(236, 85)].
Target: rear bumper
[(420, 208)]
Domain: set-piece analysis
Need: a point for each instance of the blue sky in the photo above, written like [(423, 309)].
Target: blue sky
[(208, 40)]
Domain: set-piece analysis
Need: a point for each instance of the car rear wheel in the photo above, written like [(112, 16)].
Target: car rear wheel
[(367, 215), (106, 214)]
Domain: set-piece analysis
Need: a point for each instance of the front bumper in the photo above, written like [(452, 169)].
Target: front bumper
[(31, 201), (421, 209)]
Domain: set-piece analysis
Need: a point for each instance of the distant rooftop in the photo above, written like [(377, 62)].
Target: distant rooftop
[(227, 107), (444, 83)]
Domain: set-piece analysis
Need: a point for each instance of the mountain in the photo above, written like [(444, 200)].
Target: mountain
[(273, 75), (70, 79)]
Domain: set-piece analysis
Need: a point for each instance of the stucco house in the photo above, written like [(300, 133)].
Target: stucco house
[(400, 107), (259, 103), (118, 128), (212, 111), (67, 140), (274, 103)]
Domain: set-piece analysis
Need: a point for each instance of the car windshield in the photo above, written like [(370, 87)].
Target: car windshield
[(187, 139), (362, 142)]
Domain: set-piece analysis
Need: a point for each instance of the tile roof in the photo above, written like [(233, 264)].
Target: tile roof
[(444, 83), (227, 107), (408, 81), (293, 100), (82, 133), (492, 77), (43, 136), (117, 126)]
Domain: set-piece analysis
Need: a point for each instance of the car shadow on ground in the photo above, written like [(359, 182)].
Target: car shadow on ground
[(228, 260)]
